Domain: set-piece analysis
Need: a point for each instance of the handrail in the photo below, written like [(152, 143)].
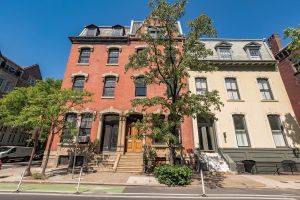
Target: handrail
[(116, 162)]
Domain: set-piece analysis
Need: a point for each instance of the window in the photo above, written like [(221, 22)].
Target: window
[(241, 130), (254, 53), (71, 121), (140, 87), (277, 130), (84, 56), (113, 56), (265, 89), (117, 32), (158, 125), (225, 53), (109, 86), (153, 32), (232, 89), (201, 85), (86, 125), (31, 80), (1, 81), (78, 83), (8, 87), (91, 32)]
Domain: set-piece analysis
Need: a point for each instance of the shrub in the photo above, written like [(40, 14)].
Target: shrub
[(173, 175), (38, 176)]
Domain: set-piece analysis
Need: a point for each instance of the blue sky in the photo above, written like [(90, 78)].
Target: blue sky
[(36, 31)]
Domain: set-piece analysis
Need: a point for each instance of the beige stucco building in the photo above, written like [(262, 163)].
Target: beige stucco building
[(257, 121)]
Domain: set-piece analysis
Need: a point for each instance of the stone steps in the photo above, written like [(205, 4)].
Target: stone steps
[(131, 163)]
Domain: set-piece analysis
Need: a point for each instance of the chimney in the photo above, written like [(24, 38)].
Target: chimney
[(275, 43)]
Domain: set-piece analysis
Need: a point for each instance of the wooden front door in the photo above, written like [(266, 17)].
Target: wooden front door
[(133, 144)]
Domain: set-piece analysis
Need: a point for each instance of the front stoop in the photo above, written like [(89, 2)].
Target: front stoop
[(131, 163)]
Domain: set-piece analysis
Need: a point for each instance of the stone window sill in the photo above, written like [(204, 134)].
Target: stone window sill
[(105, 97), (140, 97), (269, 100), (235, 100), (83, 64), (107, 64)]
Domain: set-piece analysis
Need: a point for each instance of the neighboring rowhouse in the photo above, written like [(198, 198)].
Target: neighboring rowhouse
[(257, 121), (289, 72), (97, 64), (11, 76)]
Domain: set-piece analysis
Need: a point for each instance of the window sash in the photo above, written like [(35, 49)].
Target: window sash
[(225, 53), (1, 81), (109, 86), (265, 89), (84, 56), (254, 54), (241, 131), (277, 133), (8, 86), (232, 88), (78, 83), (91, 32), (201, 86), (140, 87), (113, 56), (117, 32)]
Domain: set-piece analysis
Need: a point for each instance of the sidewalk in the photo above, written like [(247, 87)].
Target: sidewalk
[(212, 180)]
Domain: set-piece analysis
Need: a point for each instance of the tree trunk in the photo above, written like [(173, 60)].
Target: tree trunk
[(48, 153), (36, 134), (171, 154)]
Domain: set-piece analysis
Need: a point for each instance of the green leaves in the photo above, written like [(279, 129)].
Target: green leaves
[(174, 175), (165, 60), (294, 46), (43, 105)]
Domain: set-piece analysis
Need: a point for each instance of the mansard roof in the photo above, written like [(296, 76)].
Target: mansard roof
[(239, 52)]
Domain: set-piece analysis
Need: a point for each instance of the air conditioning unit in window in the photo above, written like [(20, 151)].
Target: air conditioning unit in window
[(83, 139)]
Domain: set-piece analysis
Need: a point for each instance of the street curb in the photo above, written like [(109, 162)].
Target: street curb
[(126, 184)]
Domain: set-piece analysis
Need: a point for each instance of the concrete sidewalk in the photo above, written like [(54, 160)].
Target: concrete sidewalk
[(212, 180)]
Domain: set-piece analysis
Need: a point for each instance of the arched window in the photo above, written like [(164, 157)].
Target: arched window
[(140, 87)]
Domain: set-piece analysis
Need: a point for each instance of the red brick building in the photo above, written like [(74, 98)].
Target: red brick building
[(13, 75), (288, 71), (97, 64)]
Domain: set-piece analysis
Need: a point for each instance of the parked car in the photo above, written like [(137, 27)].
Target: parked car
[(38, 155), (14, 153)]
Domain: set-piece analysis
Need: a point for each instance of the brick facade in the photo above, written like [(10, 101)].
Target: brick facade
[(288, 73), (95, 72)]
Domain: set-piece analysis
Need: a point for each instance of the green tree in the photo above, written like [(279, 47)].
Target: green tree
[(41, 108), (165, 64), (294, 46)]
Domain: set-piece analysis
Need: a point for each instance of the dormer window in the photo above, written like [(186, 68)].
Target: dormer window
[(153, 32), (225, 53), (254, 53), (253, 50), (118, 31), (91, 30), (224, 50)]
